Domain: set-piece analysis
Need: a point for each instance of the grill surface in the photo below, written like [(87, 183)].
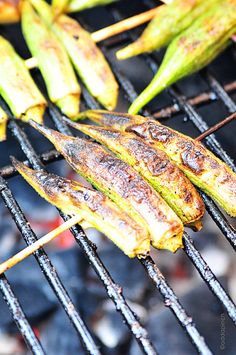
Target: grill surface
[(114, 291)]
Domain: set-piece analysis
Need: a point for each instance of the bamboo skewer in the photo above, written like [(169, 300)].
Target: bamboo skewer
[(8, 264)]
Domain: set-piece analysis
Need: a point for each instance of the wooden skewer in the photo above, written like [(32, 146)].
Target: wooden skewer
[(8, 264), (216, 127)]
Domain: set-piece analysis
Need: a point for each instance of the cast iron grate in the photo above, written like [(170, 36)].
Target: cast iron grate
[(114, 291)]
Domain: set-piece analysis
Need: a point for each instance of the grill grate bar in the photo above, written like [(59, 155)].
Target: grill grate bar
[(19, 317), (208, 276), (220, 92), (171, 300)]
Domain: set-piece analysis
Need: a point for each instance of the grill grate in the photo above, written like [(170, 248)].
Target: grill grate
[(113, 289)]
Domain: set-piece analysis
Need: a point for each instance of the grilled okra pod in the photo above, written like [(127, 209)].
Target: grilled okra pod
[(123, 185), (80, 5), (9, 11), (53, 61), (95, 209), (193, 49), (201, 166), (17, 86), (166, 25), (87, 58), (3, 124), (155, 166)]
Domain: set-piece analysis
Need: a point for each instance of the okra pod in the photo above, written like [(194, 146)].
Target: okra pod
[(193, 49), (53, 61), (95, 209), (80, 5), (201, 166), (9, 11), (167, 24), (87, 58), (154, 166), (123, 185), (17, 86), (59, 6), (3, 124)]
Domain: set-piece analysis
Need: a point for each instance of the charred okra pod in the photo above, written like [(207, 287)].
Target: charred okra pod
[(3, 124), (95, 209), (155, 166), (9, 11), (168, 23), (53, 62), (193, 49), (79, 5), (201, 166), (87, 58), (123, 185), (17, 86), (59, 6)]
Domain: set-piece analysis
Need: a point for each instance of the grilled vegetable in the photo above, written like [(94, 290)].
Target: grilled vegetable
[(59, 6), (3, 124), (168, 23), (9, 11), (192, 49), (155, 166), (123, 185), (202, 167), (87, 58), (95, 209), (53, 62), (17, 87), (79, 5)]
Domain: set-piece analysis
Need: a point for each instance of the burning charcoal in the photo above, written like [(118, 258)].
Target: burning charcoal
[(209, 316)]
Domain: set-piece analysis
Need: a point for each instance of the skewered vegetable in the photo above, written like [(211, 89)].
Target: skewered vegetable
[(59, 6), (169, 22), (79, 5), (3, 124), (17, 87), (87, 58), (53, 62), (155, 166), (123, 185), (201, 166), (95, 209), (9, 11), (192, 49)]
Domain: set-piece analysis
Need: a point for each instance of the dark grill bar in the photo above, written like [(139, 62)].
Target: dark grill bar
[(114, 291)]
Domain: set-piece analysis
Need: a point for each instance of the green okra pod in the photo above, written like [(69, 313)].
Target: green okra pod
[(87, 58), (167, 24), (95, 209), (123, 185), (155, 166), (17, 86), (201, 166), (53, 61), (80, 5), (193, 49), (3, 124)]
